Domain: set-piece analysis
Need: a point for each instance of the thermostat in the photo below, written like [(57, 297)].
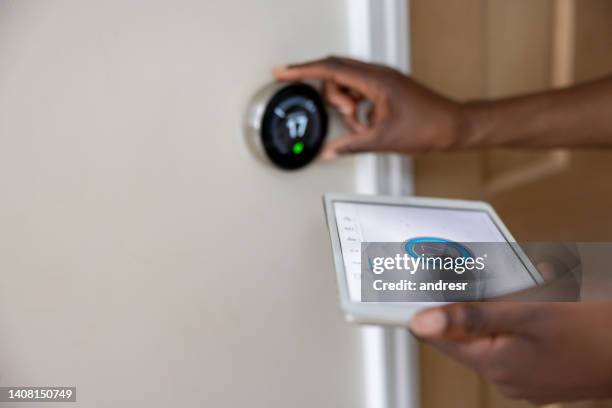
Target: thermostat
[(287, 124)]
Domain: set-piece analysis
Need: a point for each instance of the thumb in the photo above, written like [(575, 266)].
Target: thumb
[(463, 321), (360, 141)]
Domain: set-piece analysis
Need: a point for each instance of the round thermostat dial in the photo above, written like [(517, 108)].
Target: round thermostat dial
[(287, 124)]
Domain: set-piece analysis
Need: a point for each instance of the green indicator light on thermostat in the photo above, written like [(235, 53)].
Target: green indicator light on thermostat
[(298, 148)]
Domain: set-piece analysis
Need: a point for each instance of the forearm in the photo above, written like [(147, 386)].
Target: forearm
[(579, 116)]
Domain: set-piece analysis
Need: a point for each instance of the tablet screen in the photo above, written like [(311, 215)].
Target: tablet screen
[(366, 222)]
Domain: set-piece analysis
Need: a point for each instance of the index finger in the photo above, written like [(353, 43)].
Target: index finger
[(471, 352), (340, 70)]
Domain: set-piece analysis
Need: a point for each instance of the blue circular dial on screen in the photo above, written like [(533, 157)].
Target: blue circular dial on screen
[(434, 247), (441, 248)]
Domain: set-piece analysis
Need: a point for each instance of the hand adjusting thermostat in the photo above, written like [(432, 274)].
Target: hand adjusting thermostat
[(287, 123)]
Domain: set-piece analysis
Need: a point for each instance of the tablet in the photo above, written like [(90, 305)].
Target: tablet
[(469, 228)]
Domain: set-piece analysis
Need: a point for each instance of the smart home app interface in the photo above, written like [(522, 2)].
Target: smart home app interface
[(362, 222)]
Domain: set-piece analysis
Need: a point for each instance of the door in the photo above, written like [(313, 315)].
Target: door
[(522, 47), (146, 256)]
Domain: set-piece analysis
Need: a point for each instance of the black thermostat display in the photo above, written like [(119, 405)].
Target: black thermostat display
[(294, 126)]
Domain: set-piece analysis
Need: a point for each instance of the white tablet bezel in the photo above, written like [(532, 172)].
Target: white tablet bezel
[(393, 313)]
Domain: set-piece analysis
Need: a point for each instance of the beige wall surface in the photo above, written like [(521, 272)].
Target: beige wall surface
[(146, 257)]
